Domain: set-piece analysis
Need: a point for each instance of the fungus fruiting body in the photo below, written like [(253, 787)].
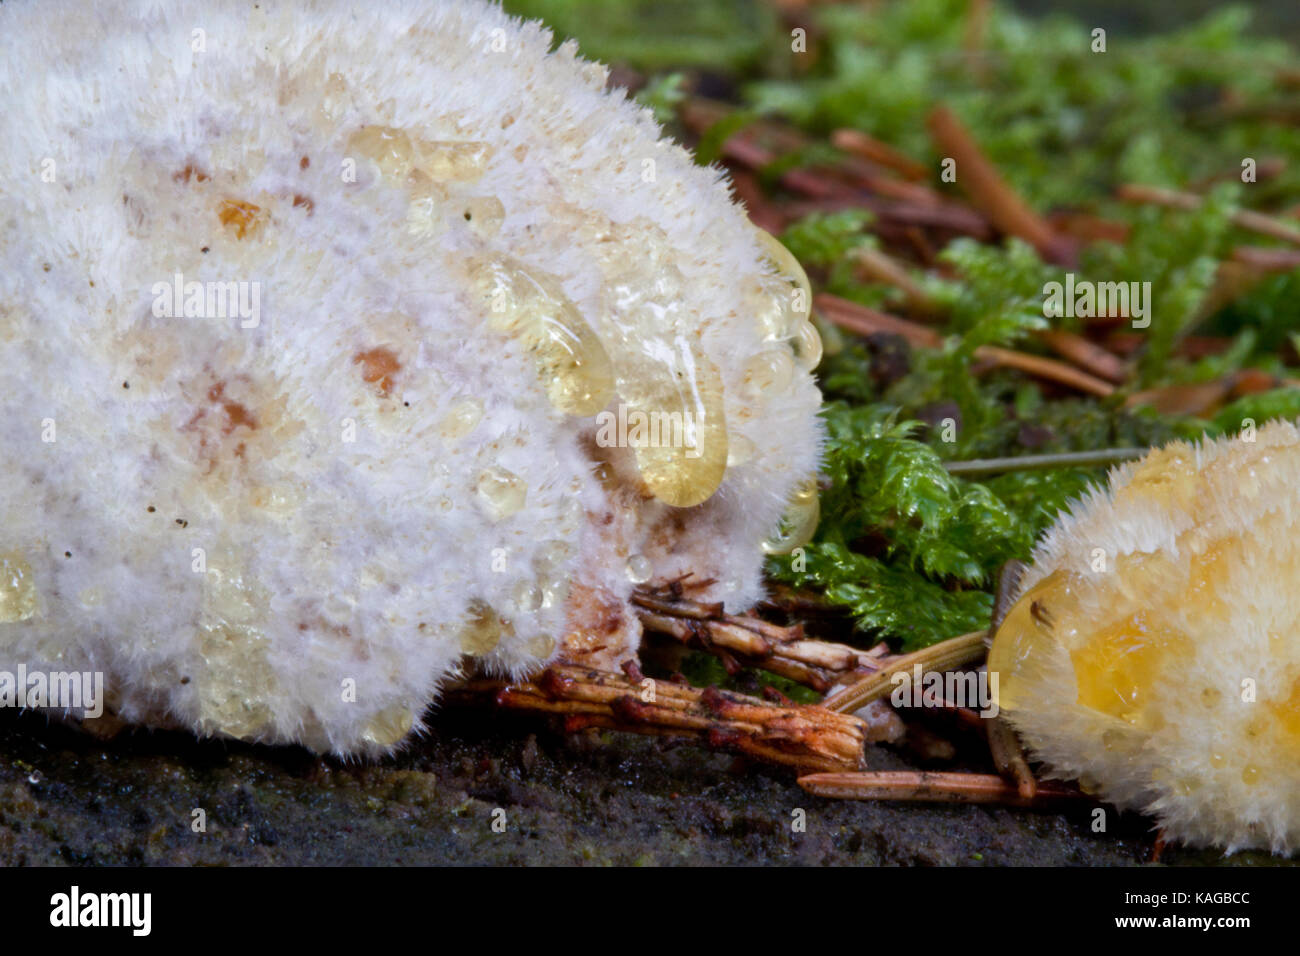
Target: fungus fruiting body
[(1152, 651), (376, 274)]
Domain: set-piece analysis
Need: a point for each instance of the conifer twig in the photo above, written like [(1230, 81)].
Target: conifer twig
[(1068, 459), (1242, 218), (946, 655), (934, 787)]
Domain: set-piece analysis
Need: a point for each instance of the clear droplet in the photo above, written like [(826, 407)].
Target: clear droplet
[(527, 597), (424, 215), (770, 372), (799, 522), (639, 569), (17, 589), (530, 306), (461, 419), (788, 266), (500, 492), (808, 345)]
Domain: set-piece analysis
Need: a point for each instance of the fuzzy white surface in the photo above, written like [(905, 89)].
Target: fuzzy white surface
[(328, 560)]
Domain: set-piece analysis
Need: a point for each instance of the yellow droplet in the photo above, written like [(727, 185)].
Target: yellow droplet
[(1217, 759), (799, 522), (672, 382), (639, 569), (453, 161), (1117, 667), (387, 147), (1250, 776), (500, 492), (770, 372), (530, 306), (1027, 631), (17, 589), (542, 646), (482, 631), (661, 372), (388, 727), (461, 419)]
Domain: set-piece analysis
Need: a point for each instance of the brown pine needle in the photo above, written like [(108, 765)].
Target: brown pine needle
[(862, 320), (1088, 355), (803, 736), (990, 193), (873, 150), (781, 650), (933, 787), (946, 655), (1050, 369), (1243, 218)]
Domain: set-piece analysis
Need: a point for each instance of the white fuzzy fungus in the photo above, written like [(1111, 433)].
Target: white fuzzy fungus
[(417, 254)]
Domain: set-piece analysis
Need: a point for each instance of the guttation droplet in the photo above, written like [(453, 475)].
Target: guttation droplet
[(799, 522), (529, 305), (769, 372), (789, 313), (388, 727), (483, 629), (452, 161), (500, 492), (639, 569), (17, 589), (461, 419), (387, 147), (661, 371)]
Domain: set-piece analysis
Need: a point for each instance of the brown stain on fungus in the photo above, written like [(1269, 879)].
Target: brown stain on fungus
[(190, 172), (241, 216), (379, 366)]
